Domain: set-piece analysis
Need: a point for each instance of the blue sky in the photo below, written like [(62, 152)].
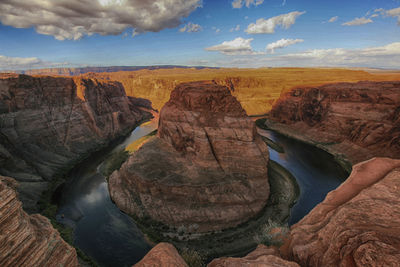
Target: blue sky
[(225, 33)]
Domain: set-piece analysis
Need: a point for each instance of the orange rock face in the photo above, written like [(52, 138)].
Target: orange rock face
[(358, 224), (47, 124), (261, 256), (361, 120), (162, 255), (207, 169), (28, 240)]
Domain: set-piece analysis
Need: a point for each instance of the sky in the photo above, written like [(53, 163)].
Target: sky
[(215, 33)]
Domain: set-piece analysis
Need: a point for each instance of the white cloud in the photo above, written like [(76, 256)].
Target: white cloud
[(333, 19), (382, 56), (269, 25), (248, 3), (217, 30), (357, 22), (237, 28), (73, 19), (23, 63), (191, 27), (374, 15), (386, 56), (238, 46), (281, 44), (395, 12)]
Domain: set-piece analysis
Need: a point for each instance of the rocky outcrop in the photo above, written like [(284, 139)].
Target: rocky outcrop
[(48, 123), (206, 170), (162, 255), (261, 256), (358, 224), (28, 240), (360, 120)]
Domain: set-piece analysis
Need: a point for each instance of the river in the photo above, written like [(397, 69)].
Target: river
[(112, 238)]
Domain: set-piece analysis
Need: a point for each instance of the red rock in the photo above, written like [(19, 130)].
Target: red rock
[(358, 224), (206, 171), (162, 255), (360, 120), (28, 240), (48, 124), (262, 256)]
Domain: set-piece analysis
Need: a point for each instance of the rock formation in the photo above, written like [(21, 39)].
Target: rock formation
[(47, 124), (206, 170), (358, 224), (360, 120), (162, 255), (28, 240), (261, 256)]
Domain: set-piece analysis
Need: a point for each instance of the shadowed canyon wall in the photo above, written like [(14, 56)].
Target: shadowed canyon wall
[(48, 124)]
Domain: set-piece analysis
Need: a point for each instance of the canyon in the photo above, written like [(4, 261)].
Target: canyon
[(356, 225), (205, 171), (356, 120), (48, 124)]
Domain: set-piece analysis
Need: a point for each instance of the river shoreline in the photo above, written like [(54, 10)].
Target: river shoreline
[(48, 202), (341, 158)]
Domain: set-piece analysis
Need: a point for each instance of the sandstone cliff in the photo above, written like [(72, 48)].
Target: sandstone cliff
[(358, 224), (47, 124), (256, 89), (262, 256), (207, 169), (162, 255), (360, 120), (28, 240)]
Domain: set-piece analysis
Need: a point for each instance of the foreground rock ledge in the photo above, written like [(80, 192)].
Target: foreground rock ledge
[(206, 170), (28, 240), (358, 224)]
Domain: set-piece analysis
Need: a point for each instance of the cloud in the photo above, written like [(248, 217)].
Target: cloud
[(386, 56), (238, 46), (191, 27), (248, 3), (358, 21), (23, 63), (237, 28), (73, 19), (282, 43), (217, 30), (333, 19), (269, 25), (395, 12), (382, 56)]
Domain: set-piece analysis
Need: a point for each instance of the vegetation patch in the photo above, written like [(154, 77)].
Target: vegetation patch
[(114, 162), (134, 146)]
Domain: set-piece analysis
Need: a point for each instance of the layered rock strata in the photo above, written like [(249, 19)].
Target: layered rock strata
[(358, 224), (162, 255), (261, 256), (28, 240), (360, 120), (206, 170), (47, 124)]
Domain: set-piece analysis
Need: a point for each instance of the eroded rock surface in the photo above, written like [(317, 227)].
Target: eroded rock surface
[(28, 240), (206, 170), (360, 120), (358, 224), (47, 124), (162, 255), (261, 256)]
